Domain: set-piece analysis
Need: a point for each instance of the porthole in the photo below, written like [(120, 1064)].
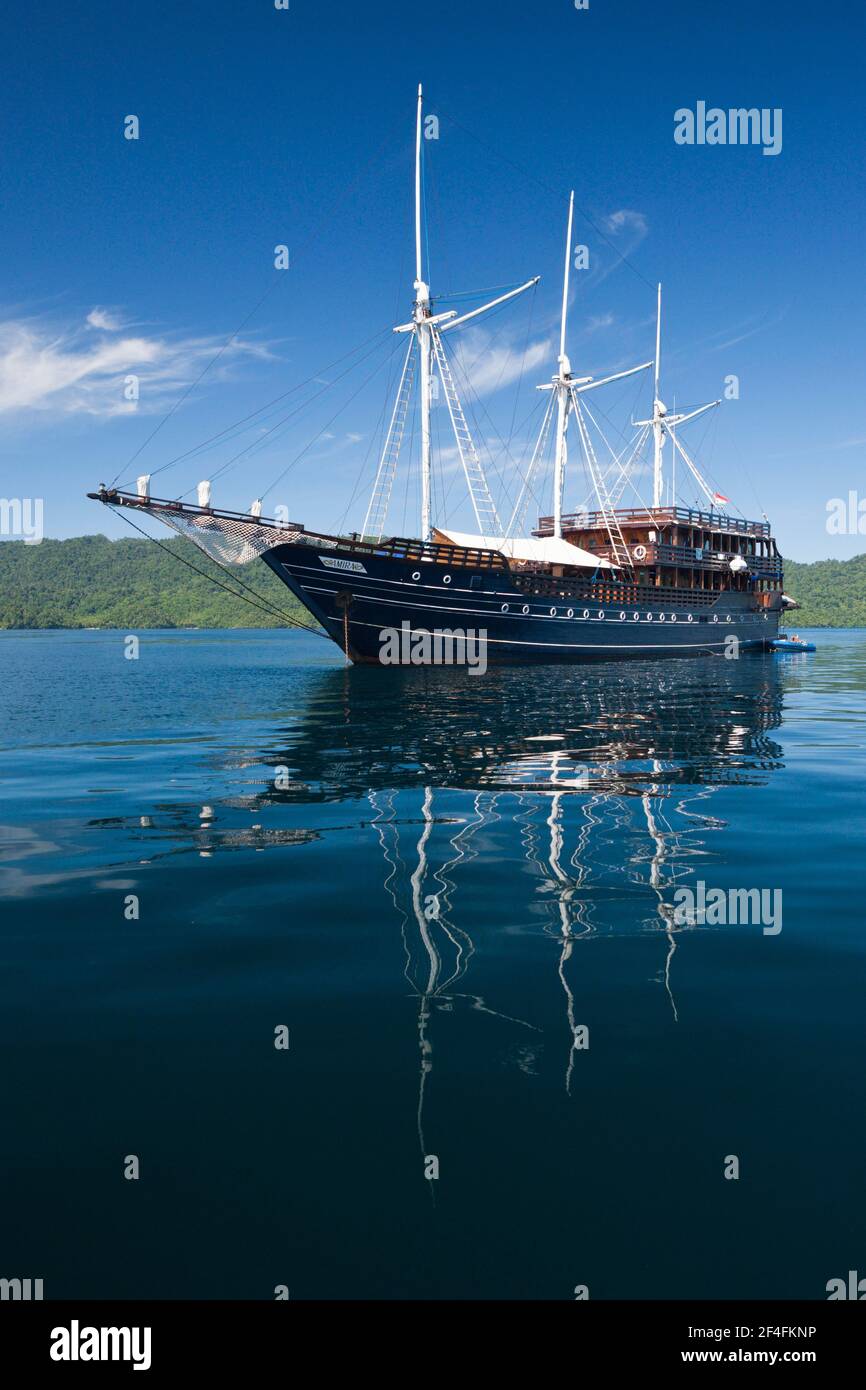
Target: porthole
[(570, 613), (416, 574), (525, 608), (673, 617), (553, 612), (635, 617), (504, 608), (649, 617), (446, 579), (600, 613), (586, 612), (691, 619), (661, 617), (622, 617)]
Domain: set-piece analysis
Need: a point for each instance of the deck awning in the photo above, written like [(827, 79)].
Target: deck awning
[(547, 550)]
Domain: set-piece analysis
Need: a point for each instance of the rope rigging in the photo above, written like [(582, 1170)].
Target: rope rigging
[(261, 410), (265, 605)]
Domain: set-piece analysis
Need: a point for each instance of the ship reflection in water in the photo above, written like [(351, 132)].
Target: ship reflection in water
[(588, 798)]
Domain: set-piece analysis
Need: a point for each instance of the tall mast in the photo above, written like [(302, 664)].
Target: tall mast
[(659, 412), (562, 383), (423, 333), (427, 329), (418, 190), (663, 426)]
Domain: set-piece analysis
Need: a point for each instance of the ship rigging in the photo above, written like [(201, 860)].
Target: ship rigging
[(600, 581)]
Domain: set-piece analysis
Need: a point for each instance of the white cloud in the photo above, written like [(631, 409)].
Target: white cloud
[(597, 321), (626, 219), (104, 319), (63, 371), (625, 229), (491, 367)]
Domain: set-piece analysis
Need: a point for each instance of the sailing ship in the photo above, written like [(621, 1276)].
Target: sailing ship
[(605, 581)]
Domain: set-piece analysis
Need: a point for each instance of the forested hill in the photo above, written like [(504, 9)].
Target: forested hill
[(832, 592), (94, 582)]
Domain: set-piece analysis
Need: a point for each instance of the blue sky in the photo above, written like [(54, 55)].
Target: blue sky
[(260, 127)]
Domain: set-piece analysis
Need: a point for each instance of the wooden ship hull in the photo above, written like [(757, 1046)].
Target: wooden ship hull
[(679, 599)]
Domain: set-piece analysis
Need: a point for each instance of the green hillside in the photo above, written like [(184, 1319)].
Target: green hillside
[(94, 582), (832, 592)]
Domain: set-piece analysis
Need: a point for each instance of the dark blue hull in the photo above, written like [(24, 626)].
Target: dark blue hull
[(356, 597)]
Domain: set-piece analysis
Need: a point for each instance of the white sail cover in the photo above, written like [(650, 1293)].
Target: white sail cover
[(548, 550)]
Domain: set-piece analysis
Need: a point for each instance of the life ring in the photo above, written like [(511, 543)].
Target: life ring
[(639, 552)]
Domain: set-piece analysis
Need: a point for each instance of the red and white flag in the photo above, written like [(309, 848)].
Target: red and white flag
[(720, 497)]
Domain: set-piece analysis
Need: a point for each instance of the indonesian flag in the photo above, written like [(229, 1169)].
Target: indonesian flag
[(720, 497)]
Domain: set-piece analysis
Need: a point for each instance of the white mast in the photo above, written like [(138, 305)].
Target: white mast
[(568, 388), (563, 398), (423, 334), (659, 412), (426, 329), (663, 427)]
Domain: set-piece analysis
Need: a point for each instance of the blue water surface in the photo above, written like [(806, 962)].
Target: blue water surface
[(457, 893)]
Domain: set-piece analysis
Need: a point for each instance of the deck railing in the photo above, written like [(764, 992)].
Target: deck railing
[(694, 558), (655, 516)]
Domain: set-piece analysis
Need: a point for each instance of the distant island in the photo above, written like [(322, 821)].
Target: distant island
[(90, 581)]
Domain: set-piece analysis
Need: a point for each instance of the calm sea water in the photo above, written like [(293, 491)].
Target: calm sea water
[(437, 883)]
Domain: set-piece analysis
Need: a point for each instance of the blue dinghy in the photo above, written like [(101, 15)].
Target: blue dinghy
[(788, 644)]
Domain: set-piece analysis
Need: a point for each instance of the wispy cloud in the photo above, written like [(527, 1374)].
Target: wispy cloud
[(627, 219), (725, 338), (492, 365), (597, 321), (818, 447), (82, 368), (104, 319), (624, 230)]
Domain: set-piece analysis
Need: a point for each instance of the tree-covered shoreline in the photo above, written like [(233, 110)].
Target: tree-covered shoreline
[(91, 581)]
